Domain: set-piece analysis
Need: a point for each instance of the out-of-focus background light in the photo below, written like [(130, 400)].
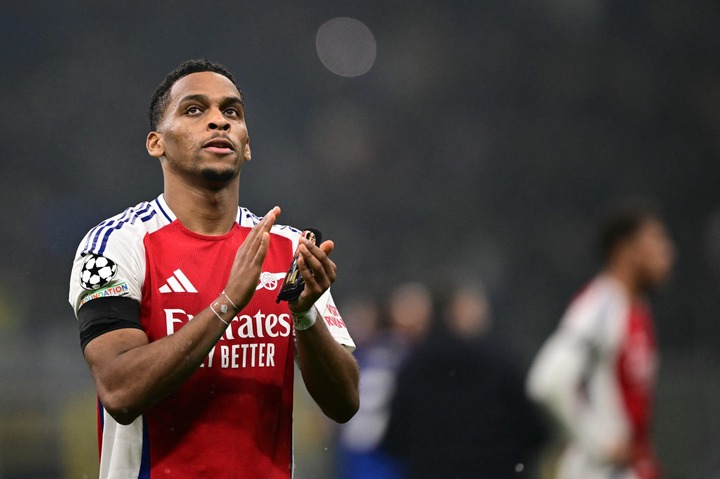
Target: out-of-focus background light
[(346, 46)]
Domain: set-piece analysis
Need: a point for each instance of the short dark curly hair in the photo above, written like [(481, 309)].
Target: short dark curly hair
[(160, 98), (622, 222)]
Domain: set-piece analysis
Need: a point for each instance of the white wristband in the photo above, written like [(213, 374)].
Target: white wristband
[(305, 320)]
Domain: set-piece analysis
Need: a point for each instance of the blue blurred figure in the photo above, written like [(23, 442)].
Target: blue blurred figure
[(381, 352)]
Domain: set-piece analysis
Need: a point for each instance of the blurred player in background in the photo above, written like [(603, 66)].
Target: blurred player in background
[(383, 350), (191, 353), (459, 410), (596, 373)]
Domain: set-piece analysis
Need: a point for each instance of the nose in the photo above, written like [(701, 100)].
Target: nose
[(217, 121)]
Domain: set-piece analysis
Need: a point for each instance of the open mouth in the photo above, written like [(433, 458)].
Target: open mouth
[(219, 145)]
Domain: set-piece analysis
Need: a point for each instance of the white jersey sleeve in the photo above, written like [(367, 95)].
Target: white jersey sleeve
[(574, 373), (110, 260), (334, 322)]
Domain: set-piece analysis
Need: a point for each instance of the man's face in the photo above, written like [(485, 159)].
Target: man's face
[(411, 313), (654, 253), (202, 131)]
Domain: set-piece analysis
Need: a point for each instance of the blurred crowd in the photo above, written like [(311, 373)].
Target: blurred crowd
[(442, 394)]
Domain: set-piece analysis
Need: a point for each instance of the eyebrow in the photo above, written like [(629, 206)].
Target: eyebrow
[(225, 101)]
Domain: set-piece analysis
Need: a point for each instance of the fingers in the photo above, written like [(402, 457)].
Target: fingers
[(327, 246), (267, 221), (317, 270), (250, 258), (259, 238), (272, 214), (262, 250), (255, 237), (315, 265)]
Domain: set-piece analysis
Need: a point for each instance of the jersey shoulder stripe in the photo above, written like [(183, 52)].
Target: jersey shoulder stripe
[(96, 233), (150, 216)]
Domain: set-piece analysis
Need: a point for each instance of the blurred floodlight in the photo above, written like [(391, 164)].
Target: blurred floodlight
[(346, 46)]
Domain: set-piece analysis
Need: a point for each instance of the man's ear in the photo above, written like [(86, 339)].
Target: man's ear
[(247, 153), (155, 145)]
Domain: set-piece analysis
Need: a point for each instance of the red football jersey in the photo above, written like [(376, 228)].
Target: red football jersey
[(233, 417)]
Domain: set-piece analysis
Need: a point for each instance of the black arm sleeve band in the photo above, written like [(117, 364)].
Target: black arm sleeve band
[(103, 315)]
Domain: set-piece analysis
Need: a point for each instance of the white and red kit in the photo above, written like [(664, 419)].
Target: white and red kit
[(596, 375), (233, 417)]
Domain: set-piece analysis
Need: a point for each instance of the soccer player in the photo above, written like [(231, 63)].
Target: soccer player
[(191, 353), (595, 374)]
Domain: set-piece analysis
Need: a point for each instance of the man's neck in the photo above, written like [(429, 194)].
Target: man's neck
[(627, 278), (202, 210)]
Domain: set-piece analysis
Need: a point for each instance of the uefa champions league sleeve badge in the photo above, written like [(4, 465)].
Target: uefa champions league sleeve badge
[(97, 271)]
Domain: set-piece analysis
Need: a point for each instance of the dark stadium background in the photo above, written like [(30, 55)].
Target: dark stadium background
[(486, 139)]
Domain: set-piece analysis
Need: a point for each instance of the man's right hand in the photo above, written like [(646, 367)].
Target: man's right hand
[(249, 259)]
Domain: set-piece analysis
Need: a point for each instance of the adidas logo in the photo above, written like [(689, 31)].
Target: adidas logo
[(178, 283)]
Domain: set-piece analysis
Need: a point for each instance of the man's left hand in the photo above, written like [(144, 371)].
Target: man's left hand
[(318, 271)]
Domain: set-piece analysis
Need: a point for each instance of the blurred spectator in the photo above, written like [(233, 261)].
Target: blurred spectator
[(381, 352), (459, 410), (596, 372)]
